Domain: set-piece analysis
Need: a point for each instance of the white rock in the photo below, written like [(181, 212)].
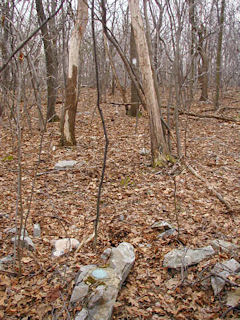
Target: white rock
[(186, 257), (65, 164), (144, 152), (63, 245)]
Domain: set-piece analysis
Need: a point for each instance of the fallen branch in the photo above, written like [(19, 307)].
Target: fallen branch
[(84, 241), (209, 187), (209, 116), (123, 103)]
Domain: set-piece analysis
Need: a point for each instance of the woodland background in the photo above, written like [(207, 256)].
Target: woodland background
[(75, 86)]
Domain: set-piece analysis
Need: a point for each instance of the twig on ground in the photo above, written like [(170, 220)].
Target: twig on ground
[(209, 187)]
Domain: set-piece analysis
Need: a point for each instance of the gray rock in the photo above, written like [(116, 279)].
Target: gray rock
[(98, 288), (224, 246), (5, 261), (84, 270), (79, 293), (96, 297), (186, 257), (65, 164), (122, 259), (36, 230), (162, 226), (121, 217), (82, 315), (26, 242), (167, 233), (106, 254), (14, 230), (233, 298), (223, 270)]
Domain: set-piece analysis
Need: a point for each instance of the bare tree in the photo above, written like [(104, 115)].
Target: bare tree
[(69, 116), (159, 147)]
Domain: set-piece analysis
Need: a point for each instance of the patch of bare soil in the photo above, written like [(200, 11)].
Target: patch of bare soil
[(133, 198)]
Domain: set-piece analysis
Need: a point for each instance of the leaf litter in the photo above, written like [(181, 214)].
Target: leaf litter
[(134, 198)]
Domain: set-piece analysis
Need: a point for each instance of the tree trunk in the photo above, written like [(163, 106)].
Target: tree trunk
[(70, 109), (132, 111), (193, 43), (219, 55), (159, 146), (51, 63), (203, 67)]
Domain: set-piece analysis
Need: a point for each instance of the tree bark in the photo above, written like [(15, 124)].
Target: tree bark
[(70, 109), (219, 55), (159, 146), (203, 67), (132, 111), (51, 62)]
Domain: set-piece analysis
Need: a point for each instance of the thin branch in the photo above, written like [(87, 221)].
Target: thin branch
[(104, 129), (24, 42)]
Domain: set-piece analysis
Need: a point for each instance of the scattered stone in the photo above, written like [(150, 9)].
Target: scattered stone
[(121, 217), (162, 226), (84, 270), (97, 288), (79, 293), (15, 231), (144, 152), (96, 297), (167, 233), (26, 242), (233, 298), (65, 164), (224, 246), (106, 254), (5, 261), (122, 259), (83, 315), (186, 257), (223, 270), (36, 230), (63, 245)]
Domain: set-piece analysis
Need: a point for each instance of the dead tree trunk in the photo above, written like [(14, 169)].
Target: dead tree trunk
[(70, 109), (159, 146)]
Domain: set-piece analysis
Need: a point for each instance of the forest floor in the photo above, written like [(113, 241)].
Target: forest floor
[(134, 196)]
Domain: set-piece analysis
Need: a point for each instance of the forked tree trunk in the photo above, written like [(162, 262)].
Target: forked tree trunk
[(70, 109), (159, 146)]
